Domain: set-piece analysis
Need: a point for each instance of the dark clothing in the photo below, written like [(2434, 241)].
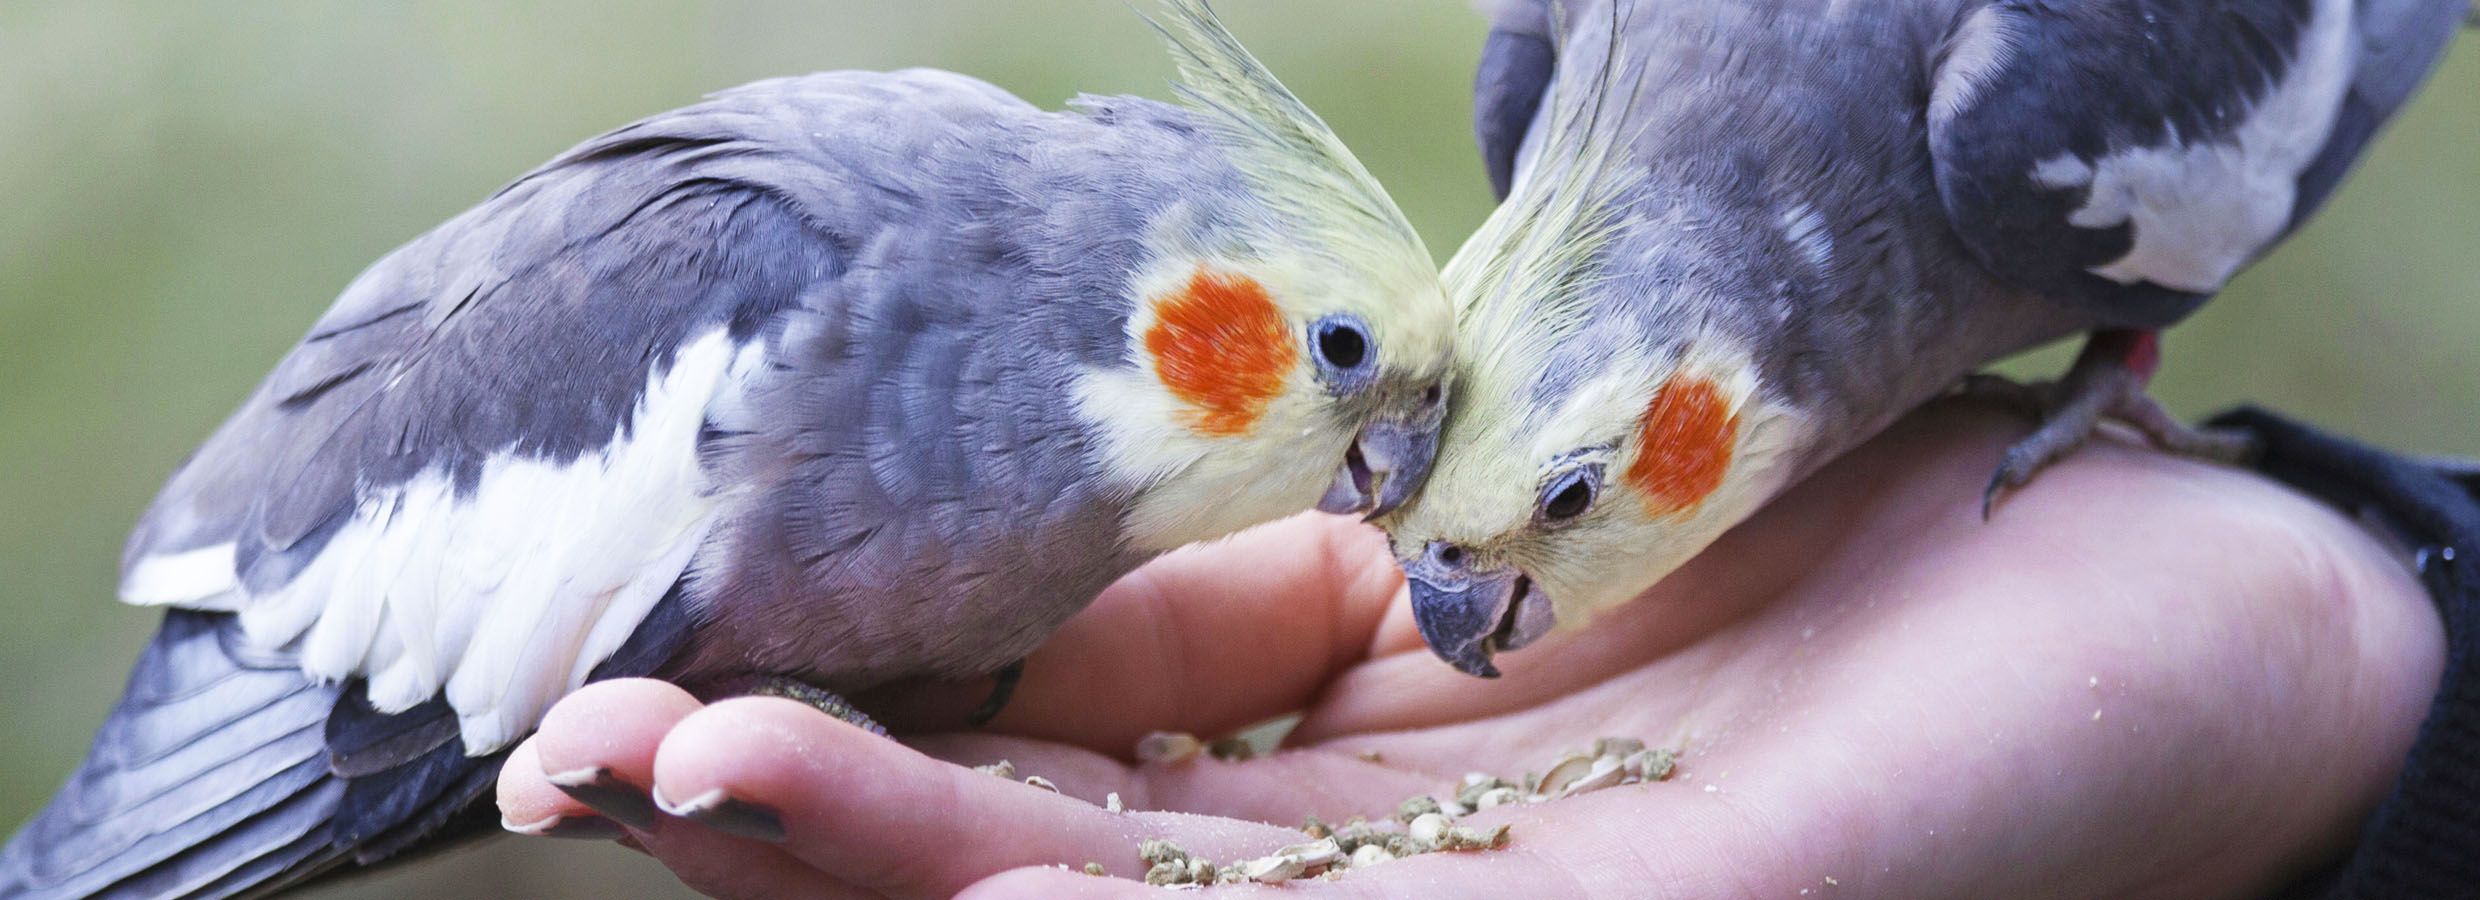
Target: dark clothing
[(2424, 840)]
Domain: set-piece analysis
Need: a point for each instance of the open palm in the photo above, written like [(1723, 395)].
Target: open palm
[(2144, 677)]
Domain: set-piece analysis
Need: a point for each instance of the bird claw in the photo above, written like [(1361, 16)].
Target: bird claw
[(1003, 687), (2031, 399), (812, 696), (2061, 432), (2099, 387)]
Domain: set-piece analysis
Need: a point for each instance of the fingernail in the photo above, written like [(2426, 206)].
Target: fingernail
[(581, 828), (607, 794), (730, 815)]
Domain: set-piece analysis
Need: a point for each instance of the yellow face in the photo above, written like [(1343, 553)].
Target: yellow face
[(1267, 385), (1294, 351), (1546, 509)]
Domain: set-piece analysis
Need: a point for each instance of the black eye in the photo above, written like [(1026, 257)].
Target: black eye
[(1342, 342), (1569, 497)]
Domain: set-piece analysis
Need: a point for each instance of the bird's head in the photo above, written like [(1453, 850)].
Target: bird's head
[(1603, 431), (1292, 349)]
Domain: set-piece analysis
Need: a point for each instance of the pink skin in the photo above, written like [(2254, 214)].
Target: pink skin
[(2149, 677)]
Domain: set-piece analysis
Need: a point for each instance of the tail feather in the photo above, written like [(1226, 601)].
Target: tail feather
[(183, 775), (231, 861), (226, 772), (274, 870)]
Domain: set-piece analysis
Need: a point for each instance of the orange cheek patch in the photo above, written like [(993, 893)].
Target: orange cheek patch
[(1683, 444), (1222, 348)]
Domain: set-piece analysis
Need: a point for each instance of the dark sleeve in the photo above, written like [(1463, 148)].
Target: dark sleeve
[(2424, 840)]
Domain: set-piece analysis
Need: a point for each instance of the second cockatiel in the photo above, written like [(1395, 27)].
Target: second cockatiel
[(1741, 236), (838, 379)]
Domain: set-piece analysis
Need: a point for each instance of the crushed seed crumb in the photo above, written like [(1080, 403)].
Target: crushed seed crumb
[(1170, 748), (1095, 868), (1415, 807), (1002, 768), (1041, 782), (1231, 749), (1421, 824), (1155, 851), (1371, 756), (1465, 837), (1654, 765), (1111, 802)]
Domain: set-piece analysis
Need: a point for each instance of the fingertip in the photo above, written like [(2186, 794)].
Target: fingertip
[(612, 724), (526, 799), (758, 749), (1035, 882)]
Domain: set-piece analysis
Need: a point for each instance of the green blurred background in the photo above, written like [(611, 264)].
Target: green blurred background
[(184, 187)]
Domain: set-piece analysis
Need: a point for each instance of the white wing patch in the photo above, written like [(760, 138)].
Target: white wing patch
[(1805, 229), (2203, 210), (505, 597), (1980, 49)]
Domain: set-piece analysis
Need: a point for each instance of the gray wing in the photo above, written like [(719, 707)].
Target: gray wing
[(2134, 154), (483, 465), (482, 469), (1517, 60)]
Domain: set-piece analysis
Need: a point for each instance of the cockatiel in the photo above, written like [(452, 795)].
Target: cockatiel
[(842, 379), (1741, 236)]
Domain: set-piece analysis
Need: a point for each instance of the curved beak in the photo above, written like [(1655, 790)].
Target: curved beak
[(1468, 615), (1385, 465)]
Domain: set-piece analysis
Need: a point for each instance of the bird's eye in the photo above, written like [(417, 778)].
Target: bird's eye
[(1571, 495), (1342, 342)]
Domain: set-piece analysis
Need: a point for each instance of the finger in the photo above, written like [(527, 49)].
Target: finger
[(1656, 839), (1207, 639), (1564, 849), (1284, 787), (1032, 883), (529, 805), (597, 745), (876, 814), (1443, 878), (721, 865)]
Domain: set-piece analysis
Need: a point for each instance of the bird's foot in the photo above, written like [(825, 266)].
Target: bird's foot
[(1003, 687), (810, 695), (2030, 399), (2106, 383)]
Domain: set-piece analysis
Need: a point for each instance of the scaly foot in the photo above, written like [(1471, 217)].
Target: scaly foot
[(811, 695), (2106, 382)]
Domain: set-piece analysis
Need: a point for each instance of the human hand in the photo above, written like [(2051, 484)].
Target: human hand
[(2143, 677)]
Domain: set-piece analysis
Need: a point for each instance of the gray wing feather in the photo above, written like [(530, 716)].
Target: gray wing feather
[(2400, 44), (2063, 86), (524, 328), (212, 762), (527, 326), (1517, 61)]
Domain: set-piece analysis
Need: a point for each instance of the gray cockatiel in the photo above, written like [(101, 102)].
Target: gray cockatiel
[(845, 378), (1741, 236)]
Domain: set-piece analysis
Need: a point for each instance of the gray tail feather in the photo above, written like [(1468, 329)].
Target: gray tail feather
[(228, 773), (210, 779)]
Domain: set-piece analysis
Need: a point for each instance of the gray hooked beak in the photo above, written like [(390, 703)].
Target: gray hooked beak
[(1467, 614), (1386, 464)]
